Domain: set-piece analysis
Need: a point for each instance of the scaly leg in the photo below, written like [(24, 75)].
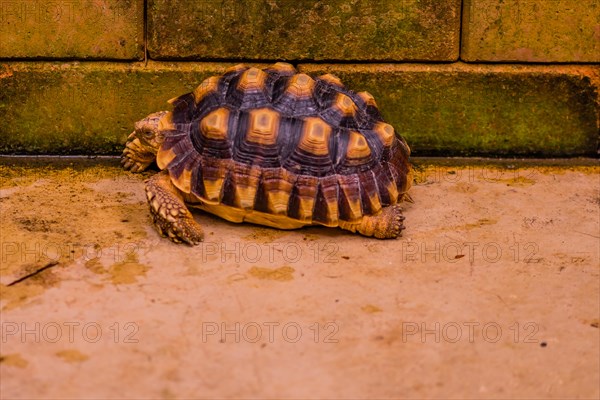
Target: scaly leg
[(385, 225), (171, 216)]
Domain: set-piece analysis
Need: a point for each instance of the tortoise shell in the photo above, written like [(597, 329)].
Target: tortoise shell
[(278, 143)]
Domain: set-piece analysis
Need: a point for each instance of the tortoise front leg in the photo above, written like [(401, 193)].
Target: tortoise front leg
[(385, 225), (171, 216)]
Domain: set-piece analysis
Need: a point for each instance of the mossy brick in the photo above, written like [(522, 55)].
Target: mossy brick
[(487, 110), (386, 30), (85, 108), (72, 29), (442, 109), (531, 30)]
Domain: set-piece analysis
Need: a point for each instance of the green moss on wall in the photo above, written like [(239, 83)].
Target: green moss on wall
[(457, 109), (85, 108), (483, 110), (100, 29), (304, 30)]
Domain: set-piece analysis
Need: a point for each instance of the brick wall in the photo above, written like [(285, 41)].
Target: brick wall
[(455, 77)]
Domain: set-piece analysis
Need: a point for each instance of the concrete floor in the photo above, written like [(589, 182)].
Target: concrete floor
[(492, 292)]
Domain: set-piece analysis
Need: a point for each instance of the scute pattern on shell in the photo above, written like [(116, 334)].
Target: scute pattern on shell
[(283, 143)]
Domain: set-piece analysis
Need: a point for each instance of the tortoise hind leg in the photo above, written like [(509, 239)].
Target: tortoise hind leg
[(385, 225), (170, 214)]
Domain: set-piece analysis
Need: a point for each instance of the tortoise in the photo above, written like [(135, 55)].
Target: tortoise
[(272, 147)]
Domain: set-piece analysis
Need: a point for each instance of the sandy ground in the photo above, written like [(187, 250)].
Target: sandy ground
[(492, 292)]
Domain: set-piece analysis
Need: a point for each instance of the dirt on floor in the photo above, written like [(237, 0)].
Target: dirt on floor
[(492, 292)]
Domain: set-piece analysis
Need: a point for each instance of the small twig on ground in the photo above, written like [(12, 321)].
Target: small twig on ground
[(45, 267)]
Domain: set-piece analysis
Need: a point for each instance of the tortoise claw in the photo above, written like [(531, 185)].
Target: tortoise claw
[(388, 224), (170, 215)]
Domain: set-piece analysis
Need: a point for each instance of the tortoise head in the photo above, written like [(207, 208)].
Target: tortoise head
[(143, 143)]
